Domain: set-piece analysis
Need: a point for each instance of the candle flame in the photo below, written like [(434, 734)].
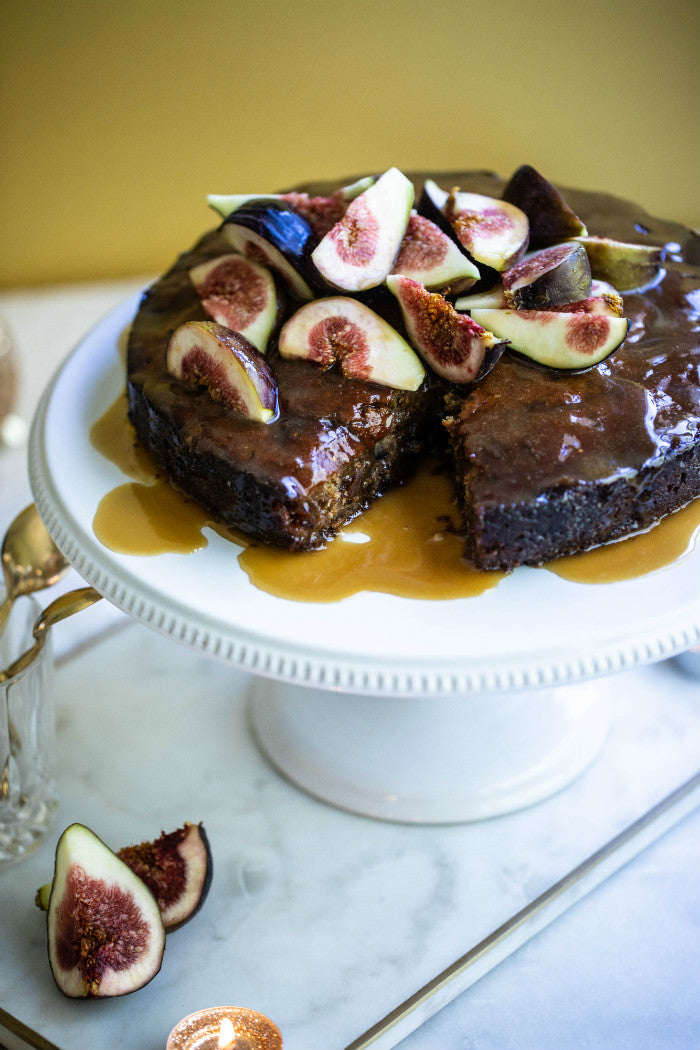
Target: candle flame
[(227, 1036)]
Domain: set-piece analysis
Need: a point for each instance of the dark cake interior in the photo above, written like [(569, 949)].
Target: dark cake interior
[(545, 463)]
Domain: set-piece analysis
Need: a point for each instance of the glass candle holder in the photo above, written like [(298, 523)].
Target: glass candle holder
[(28, 799)]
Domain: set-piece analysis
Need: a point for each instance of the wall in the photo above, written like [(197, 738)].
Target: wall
[(117, 118)]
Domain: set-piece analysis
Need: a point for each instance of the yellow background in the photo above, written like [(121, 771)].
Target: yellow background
[(116, 119)]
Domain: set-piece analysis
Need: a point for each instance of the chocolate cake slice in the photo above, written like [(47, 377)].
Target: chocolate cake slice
[(337, 445), (545, 462), (549, 463)]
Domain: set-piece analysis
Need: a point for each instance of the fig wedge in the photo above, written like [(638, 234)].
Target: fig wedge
[(343, 330), (493, 232), (359, 251), (227, 365), (548, 278), (452, 344), (239, 294), (571, 341), (105, 933), (177, 868), (604, 299), (629, 267), (271, 233), (551, 219), (429, 256)]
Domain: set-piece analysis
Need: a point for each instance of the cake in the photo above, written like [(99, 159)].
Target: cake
[(545, 461)]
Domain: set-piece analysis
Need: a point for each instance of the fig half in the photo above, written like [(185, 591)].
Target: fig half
[(359, 251), (571, 341), (105, 932), (230, 368), (344, 330), (456, 347)]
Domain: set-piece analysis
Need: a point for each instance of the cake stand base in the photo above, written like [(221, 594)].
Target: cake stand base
[(433, 760)]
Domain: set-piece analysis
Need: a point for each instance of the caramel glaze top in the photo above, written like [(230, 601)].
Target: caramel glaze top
[(324, 420), (526, 429)]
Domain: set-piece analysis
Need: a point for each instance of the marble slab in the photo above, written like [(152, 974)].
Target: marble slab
[(323, 920)]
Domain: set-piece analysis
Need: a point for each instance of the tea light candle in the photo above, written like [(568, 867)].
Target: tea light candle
[(225, 1028)]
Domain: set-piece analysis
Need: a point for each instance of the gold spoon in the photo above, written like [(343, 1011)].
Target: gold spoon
[(30, 559), (59, 609)]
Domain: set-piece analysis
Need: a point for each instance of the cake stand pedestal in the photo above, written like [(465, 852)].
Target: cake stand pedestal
[(435, 759)]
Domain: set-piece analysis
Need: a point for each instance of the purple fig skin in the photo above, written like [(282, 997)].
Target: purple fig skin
[(456, 347), (548, 278), (551, 218), (227, 365), (272, 233)]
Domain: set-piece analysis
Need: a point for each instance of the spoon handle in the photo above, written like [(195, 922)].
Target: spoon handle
[(65, 605), (5, 611)]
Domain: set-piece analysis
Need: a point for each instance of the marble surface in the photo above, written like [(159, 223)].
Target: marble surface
[(324, 920)]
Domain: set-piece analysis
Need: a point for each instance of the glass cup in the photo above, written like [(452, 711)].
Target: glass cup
[(28, 800)]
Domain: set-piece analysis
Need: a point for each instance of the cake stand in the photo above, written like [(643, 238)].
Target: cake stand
[(429, 711)]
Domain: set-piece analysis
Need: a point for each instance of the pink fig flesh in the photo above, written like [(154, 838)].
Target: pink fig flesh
[(456, 347), (429, 256), (548, 278), (177, 868), (344, 331), (105, 933), (240, 294)]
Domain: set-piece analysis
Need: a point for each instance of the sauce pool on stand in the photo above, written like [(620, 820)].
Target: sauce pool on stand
[(406, 543)]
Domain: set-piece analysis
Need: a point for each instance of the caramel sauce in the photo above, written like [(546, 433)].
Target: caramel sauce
[(406, 543)]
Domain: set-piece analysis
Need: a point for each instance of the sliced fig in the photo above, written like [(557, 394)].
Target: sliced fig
[(273, 234), (105, 933), (493, 232), (177, 868), (239, 294), (230, 367), (604, 299), (556, 339), (359, 251), (551, 219), (429, 256), (629, 267), (344, 330), (547, 278), (455, 346)]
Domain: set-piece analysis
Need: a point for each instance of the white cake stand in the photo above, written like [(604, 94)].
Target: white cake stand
[(399, 709)]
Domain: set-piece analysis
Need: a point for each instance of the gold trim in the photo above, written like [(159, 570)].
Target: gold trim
[(31, 1038), (651, 821)]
